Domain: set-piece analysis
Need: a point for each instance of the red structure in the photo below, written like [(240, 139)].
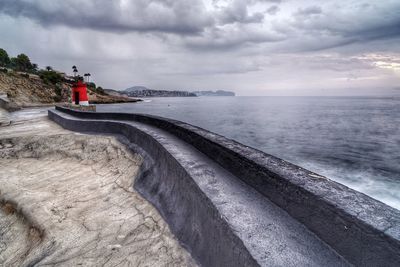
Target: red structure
[(79, 94)]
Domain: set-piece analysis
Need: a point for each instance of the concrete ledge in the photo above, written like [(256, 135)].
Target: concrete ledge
[(165, 183), (362, 230)]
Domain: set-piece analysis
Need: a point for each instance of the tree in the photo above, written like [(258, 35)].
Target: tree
[(35, 67), (75, 70), (22, 63), (49, 68), (4, 58), (50, 76)]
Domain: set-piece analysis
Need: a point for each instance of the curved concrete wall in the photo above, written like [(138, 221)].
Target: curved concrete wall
[(165, 183), (362, 230)]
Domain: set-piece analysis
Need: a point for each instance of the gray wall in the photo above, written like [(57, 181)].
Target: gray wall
[(364, 231)]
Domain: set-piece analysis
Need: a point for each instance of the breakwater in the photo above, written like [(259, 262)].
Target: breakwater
[(343, 226)]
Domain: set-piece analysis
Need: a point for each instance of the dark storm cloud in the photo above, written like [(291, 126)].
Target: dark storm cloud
[(238, 12), (311, 10), (330, 27), (224, 39), (178, 16), (267, 1), (226, 44), (231, 24), (341, 27), (383, 30), (170, 16), (273, 10), (221, 28), (231, 44)]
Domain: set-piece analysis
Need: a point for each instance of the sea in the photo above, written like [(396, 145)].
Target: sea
[(352, 140)]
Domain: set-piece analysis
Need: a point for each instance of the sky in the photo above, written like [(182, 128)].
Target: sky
[(251, 47)]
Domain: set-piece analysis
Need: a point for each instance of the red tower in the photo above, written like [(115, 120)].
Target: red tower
[(79, 94)]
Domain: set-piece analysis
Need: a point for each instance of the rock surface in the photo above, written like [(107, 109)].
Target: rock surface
[(25, 90), (4, 117), (67, 200)]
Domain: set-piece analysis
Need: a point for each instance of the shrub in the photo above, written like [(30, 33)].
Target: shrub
[(100, 90), (50, 77), (91, 85), (58, 90)]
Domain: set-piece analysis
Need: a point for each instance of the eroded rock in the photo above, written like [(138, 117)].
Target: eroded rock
[(67, 200)]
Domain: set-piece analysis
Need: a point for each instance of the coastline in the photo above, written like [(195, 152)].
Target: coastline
[(20, 90), (16, 107)]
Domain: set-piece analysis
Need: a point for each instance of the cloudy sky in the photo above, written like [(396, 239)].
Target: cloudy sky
[(253, 47)]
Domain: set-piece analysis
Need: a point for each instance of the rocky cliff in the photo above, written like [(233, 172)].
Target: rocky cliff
[(23, 90)]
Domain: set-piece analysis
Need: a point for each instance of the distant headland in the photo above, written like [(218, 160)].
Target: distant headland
[(142, 91), (214, 93)]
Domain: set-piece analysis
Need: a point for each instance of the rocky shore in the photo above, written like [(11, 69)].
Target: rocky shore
[(22, 90), (67, 199)]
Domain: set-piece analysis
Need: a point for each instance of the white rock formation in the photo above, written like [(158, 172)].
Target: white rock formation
[(67, 200)]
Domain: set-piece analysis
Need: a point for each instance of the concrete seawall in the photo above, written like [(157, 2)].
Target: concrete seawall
[(342, 226)]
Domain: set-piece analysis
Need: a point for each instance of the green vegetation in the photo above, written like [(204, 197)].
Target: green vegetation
[(4, 58), (91, 85), (50, 76), (22, 63), (58, 91), (100, 90)]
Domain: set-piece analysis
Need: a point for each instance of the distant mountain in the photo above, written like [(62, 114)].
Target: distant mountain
[(214, 93), (158, 93)]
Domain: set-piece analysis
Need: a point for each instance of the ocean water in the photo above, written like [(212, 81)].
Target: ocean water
[(352, 140)]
